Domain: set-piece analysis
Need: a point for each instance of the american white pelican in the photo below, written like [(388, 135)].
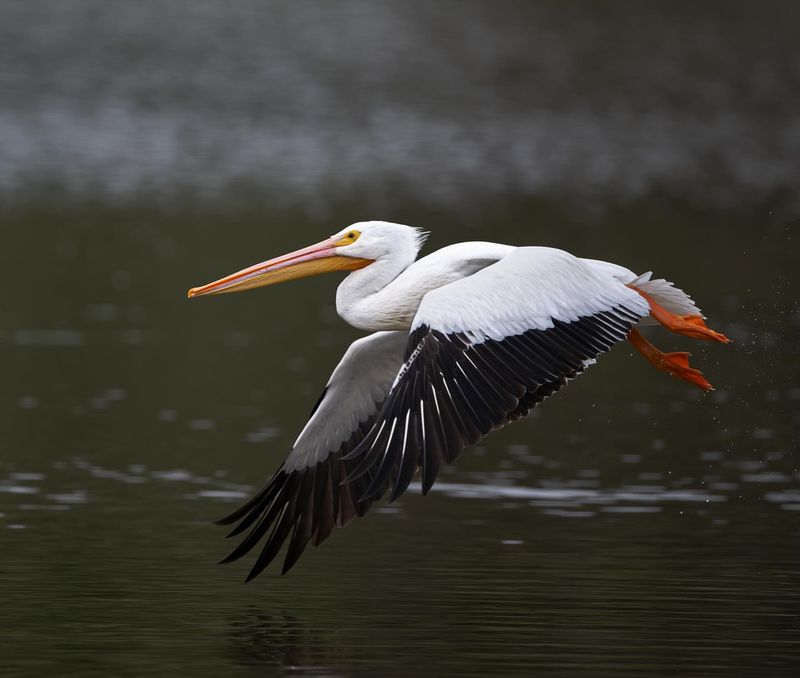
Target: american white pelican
[(466, 340)]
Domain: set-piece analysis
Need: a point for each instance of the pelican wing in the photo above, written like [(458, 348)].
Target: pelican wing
[(306, 497), (482, 352)]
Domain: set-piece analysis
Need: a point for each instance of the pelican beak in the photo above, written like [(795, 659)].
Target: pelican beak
[(320, 258)]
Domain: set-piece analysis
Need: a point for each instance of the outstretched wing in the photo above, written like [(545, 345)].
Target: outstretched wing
[(306, 496), (482, 352)]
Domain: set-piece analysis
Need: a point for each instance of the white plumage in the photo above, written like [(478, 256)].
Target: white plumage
[(359, 383), (526, 290)]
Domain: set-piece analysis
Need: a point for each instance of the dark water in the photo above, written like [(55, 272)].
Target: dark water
[(632, 525)]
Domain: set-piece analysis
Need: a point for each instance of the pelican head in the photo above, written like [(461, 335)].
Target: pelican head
[(350, 249)]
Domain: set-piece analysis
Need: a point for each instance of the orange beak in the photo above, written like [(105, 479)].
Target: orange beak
[(320, 258)]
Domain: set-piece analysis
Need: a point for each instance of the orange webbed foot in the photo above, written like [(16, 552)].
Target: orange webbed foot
[(694, 319), (694, 326), (676, 364), (688, 325)]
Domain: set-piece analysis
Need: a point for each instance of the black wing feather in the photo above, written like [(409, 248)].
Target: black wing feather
[(305, 504), (453, 389)]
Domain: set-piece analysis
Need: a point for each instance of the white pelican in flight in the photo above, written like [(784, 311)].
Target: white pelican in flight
[(465, 340)]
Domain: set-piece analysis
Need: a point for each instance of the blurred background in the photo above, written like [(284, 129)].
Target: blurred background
[(632, 524)]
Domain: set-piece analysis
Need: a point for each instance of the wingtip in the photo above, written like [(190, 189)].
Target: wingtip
[(233, 556), (229, 519), (234, 532), (397, 491), (256, 570)]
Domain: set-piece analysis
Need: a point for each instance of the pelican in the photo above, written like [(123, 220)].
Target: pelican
[(464, 341)]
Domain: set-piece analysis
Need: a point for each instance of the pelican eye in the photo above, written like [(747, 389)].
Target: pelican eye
[(349, 238)]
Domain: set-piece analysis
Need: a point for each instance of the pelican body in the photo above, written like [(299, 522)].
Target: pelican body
[(463, 341)]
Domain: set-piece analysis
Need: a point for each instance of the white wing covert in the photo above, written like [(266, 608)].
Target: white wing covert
[(482, 352), (306, 496)]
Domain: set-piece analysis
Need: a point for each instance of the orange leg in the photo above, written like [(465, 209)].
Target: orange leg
[(689, 325), (676, 364)]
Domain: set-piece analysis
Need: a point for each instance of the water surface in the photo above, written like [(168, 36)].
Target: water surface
[(632, 525)]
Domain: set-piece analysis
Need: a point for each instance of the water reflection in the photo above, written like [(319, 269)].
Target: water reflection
[(268, 641)]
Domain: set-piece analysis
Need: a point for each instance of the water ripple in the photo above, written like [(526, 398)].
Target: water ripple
[(634, 495)]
